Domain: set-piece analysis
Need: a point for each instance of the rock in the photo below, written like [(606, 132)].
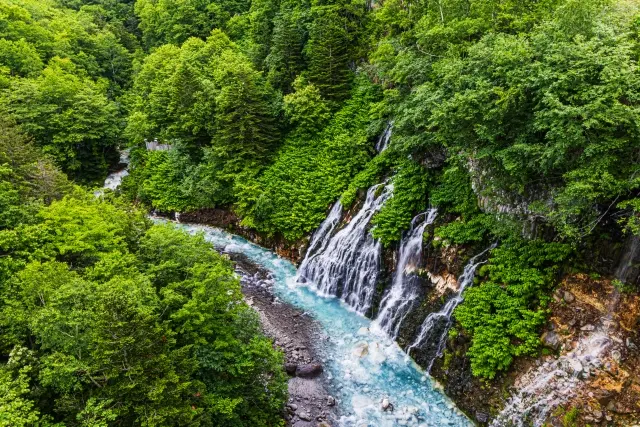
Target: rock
[(385, 404), (290, 368), (597, 415), (482, 417), (331, 401), (324, 424), (575, 365), (552, 340), (631, 345), (616, 355), (305, 416), (293, 407), (361, 349), (308, 370), (568, 297), (588, 328)]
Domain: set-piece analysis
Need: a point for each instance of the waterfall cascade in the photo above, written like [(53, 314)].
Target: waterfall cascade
[(436, 326), (322, 235), (347, 263), (404, 291), (385, 138)]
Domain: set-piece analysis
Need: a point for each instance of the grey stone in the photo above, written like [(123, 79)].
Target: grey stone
[(290, 368), (309, 370), (588, 328), (552, 340), (568, 297), (482, 417), (305, 416)]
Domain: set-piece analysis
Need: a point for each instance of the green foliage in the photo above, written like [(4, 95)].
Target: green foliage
[(68, 116), (27, 178), (504, 313), (115, 321), (410, 187), (309, 173), (59, 71), (165, 21), (328, 52)]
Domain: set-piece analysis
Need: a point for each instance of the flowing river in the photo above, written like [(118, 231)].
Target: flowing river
[(362, 365)]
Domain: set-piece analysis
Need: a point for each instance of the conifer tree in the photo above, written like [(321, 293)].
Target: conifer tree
[(285, 60), (328, 53)]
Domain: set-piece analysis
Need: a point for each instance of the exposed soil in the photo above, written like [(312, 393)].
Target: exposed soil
[(299, 337), (229, 221)]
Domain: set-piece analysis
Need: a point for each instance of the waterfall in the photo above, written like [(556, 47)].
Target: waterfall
[(404, 292), (347, 263), (383, 141), (322, 235), (436, 326)]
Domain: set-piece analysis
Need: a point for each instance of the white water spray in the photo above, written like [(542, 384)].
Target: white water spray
[(347, 264), (385, 138), (404, 292), (436, 326), (543, 389), (322, 235)]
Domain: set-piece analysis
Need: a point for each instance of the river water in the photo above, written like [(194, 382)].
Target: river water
[(363, 366)]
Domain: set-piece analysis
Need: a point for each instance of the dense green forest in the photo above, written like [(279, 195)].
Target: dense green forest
[(519, 120)]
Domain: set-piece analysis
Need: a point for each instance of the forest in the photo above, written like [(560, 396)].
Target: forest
[(518, 120)]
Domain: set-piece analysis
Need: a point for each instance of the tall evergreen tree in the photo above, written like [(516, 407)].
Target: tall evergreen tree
[(285, 60), (328, 53)]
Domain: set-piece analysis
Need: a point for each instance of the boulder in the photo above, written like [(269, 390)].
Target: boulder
[(331, 401), (305, 416), (309, 370), (482, 417), (568, 297), (290, 368), (575, 366), (552, 340), (361, 349)]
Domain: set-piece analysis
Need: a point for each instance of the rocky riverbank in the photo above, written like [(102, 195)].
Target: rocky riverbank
[(299, 337)]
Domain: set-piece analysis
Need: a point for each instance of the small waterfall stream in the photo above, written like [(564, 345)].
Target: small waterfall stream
[(404, 291), (435, 327), (385, 138), (347, 264)]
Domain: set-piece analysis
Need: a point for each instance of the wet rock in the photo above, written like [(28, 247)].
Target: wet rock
[(305, 416), (292, 407), (309, 370), (290, 368), (616, 355), (361, 349), (568, 297), (631, 345), (575, 366), (331, 401), (386, 404), (552, 340), (481, 417)]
